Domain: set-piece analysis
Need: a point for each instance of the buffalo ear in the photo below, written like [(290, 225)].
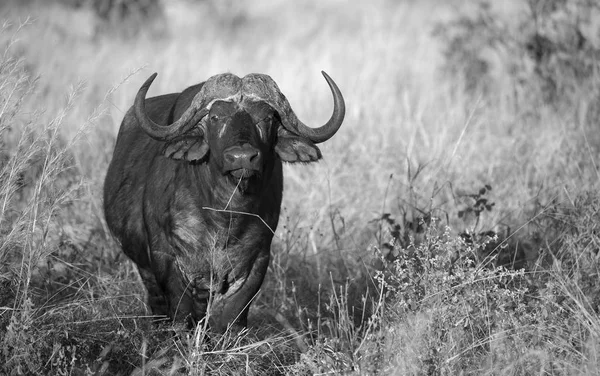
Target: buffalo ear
[(292, 148), (191, 147)]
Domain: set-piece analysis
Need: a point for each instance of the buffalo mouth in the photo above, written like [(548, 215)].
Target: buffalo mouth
[(244, 179), (243, 173)]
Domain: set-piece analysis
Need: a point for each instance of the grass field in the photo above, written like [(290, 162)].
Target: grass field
[(386, 260)]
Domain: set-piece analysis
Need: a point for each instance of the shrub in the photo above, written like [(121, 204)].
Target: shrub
[(124, 18), (449, 311), (548, 51)]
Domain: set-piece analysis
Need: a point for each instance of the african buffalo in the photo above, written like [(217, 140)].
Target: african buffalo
[(194, 190)]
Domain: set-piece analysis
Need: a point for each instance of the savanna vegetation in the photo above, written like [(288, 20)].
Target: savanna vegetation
[(452, 228)]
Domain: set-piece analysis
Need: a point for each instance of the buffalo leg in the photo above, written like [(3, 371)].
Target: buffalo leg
[(156, 296), (232, 307)]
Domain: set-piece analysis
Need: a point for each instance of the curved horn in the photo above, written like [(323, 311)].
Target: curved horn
[(326, 131), (190, 117)]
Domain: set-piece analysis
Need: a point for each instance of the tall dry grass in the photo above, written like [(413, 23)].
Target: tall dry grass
[(414, 145)]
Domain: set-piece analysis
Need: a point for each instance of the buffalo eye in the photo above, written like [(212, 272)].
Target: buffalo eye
[(214, 117), (264, 125)]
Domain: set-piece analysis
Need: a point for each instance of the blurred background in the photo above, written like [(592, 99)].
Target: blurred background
[(477, 115)]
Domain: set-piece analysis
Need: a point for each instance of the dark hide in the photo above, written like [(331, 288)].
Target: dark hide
[(161, 201)]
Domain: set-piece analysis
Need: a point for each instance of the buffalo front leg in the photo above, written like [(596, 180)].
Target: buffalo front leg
[(176, 290), (155, 294), (231, 307)]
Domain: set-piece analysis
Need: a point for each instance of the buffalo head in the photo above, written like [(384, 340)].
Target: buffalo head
[(234, 123)]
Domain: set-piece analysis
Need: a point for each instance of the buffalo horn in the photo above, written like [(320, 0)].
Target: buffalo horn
[(190, 117), (326, 131)]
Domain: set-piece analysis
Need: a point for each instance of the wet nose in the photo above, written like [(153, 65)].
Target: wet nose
[(244, 156)]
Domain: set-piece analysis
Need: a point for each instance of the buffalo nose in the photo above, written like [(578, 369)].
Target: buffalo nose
[(244, 156)]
